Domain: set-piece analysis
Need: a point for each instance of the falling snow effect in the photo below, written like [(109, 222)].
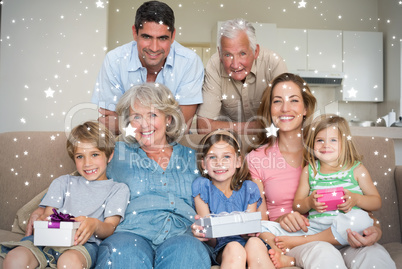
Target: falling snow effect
[(49, 89)]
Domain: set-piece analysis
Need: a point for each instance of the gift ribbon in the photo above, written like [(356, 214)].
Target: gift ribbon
[(57, 217), (241, 214)]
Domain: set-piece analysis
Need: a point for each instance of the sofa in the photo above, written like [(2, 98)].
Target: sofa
[(31, 160)]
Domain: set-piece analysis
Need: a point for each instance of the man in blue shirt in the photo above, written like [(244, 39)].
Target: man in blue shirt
[(153, 56)]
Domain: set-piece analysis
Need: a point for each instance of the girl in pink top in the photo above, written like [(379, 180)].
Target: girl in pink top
[(275, 165)]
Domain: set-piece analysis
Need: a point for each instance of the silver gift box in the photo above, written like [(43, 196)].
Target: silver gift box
[(235, 223)]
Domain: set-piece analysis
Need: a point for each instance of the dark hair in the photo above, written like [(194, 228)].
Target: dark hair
[(264, 111), (154, 11), (233, 140), (91, 132)]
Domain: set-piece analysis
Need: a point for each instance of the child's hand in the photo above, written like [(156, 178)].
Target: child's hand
[(87, 228), (43, 217), (350, 201), (197, 231), (319, 207)]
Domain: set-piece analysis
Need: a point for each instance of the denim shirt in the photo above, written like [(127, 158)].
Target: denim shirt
[(160, 204)]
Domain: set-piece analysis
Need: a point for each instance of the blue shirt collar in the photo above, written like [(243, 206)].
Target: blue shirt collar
[(135, 62)]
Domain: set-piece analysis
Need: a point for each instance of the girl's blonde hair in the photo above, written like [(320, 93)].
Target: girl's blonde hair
[(348, 155), (230, 137), (264, 111)]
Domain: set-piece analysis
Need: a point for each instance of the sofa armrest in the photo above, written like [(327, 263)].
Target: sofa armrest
[(398, 178), (398, 183)]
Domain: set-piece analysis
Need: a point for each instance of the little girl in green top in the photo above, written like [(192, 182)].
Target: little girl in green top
[(333, 161)]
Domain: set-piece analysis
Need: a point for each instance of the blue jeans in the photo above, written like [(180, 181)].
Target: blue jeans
[(128, 250)]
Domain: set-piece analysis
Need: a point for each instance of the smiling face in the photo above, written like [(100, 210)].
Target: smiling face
[(90, 162), (287, 106), (221, 162), (237, 56), (150, 124), (327, 146), (153, 43)]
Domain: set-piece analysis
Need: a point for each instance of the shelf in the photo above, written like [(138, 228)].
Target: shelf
[(390, 132)]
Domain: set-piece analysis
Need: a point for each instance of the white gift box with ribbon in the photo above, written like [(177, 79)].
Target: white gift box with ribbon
[(55, 237), (228, 224)]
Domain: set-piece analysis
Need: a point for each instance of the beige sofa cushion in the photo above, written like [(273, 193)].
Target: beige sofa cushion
[(379, 159), (23, 214), (29, 163)]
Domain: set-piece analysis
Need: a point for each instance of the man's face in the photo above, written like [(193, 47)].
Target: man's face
[(153, 43), (237, 56)]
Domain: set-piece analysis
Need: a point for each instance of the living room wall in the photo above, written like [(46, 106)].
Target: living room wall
[(51, 50)]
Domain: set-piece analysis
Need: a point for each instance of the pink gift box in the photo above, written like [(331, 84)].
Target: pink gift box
[(331, 197)]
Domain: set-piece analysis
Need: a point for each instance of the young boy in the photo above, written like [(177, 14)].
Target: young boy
[(100, 204)]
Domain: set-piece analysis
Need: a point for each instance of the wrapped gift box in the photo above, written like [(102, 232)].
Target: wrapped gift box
[(56, 237), (331, 197), (235, 223)]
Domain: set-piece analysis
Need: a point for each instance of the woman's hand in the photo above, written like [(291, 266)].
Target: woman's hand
[(87, 228), (34, 216), (350, 201), (293, 222), (319, 207), (371, 236)]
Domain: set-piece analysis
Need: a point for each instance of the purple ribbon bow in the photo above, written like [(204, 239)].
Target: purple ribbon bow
[(57, 217)]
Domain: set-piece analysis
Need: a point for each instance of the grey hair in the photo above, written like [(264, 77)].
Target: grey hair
[(231, 28), (158, 96)]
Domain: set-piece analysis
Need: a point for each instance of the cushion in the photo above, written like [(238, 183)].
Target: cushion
[(23, 214), (395, 251), (10, 236)]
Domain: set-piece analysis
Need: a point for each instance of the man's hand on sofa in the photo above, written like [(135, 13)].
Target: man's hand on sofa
[(34, 216), (370, 236)]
